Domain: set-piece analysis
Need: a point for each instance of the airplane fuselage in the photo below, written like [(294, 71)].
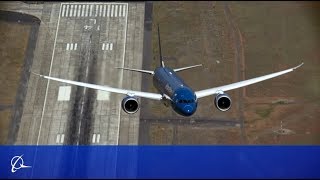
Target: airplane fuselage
[(184, 100)]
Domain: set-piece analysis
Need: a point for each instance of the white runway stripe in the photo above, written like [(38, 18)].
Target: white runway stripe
[(79, 10), (108, 12), (82, 10), (120, 9), (107, 48), (111, 46), (75, 11), (67, 10), (67, 47), (104, 10), (98, 138), (124, 11), (100, 13), (112, 8), (71, 46), (63, 9), (94, 138), (91, 7), (116, 11), (75, 46), (62, 138), (103, 46), (71, 11), (97, 9), (87, 10), (58, 138)]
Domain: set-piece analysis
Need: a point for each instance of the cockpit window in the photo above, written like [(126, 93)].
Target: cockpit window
[(186, 101)]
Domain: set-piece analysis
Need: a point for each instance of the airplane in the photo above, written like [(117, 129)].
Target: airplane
[(172, 89)]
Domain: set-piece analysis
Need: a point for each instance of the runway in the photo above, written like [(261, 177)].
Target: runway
[(83, 42)]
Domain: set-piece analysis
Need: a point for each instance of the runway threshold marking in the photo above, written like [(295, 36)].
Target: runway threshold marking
[(93, 10)]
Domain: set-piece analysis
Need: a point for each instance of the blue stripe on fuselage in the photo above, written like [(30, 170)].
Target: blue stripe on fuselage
[(183, 98)]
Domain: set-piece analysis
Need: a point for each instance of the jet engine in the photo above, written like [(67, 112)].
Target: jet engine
[(222, 102), (130, 105)]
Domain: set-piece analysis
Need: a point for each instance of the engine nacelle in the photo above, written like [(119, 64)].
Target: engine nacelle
[(222, 102), (130, 105)]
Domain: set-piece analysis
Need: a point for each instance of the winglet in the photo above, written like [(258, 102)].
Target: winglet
[(298, 66)]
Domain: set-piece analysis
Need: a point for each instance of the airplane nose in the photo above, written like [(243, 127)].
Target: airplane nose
[(188, 109)]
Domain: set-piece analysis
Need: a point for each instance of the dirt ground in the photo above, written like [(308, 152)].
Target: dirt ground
[(14, 39), (274, 36), (277, 36)]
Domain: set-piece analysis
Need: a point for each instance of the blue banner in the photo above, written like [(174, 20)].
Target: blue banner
[(159, 161)]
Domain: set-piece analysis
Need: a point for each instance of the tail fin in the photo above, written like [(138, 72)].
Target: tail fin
[(161, 61)]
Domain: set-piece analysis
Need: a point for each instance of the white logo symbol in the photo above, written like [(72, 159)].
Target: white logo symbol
[(14, 162)]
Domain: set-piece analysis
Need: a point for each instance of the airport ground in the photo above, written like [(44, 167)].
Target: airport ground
[(236, 41), (233, 41), (83, 42)]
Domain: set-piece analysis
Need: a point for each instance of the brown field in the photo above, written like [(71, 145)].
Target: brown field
[(185, 134), (274, 36), (279, 35), (14, 39)]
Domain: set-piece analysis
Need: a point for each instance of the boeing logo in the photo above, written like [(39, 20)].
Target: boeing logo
[(17, 163)]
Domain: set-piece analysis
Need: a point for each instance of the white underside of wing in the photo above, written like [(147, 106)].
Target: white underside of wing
[(211, 91), (108, 88)]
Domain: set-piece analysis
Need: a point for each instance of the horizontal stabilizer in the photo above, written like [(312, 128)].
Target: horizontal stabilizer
[(184, 68), (137, 70)]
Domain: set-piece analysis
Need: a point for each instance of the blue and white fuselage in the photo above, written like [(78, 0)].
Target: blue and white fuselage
[(183, 98)]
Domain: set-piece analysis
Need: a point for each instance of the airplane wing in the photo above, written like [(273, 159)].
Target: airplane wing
[(211, 91), (149, 95)]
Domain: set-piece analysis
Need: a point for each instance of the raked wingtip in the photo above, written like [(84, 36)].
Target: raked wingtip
[(298, 65)]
